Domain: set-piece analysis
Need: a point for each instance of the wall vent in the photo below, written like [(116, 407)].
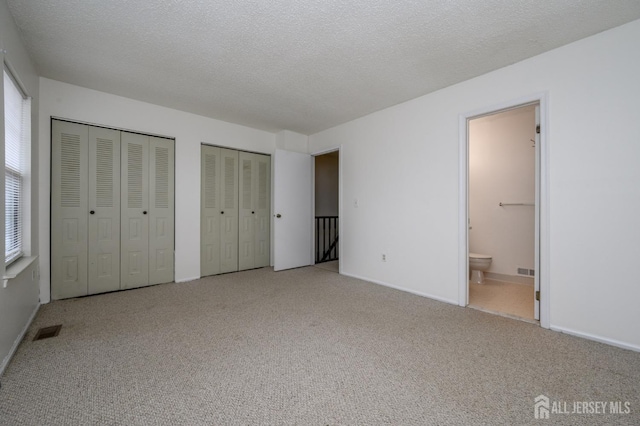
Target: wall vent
[(526, 272)]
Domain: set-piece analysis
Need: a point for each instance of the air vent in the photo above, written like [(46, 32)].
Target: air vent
[(526, 272), (46, 332)]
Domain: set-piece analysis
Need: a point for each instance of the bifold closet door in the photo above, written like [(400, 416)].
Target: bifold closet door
[(134, 213), (219, 211), (210, 211), (254, 219), (229, 211), (161, 210), (69, 215), (104, 210)]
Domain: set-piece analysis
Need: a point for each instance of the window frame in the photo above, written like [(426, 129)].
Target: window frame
[(14, 250)]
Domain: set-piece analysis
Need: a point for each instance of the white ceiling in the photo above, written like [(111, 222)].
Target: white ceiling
[(301, 65)]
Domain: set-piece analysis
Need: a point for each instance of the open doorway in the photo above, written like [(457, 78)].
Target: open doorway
[(507, 206), (326, 202), (502, 212)]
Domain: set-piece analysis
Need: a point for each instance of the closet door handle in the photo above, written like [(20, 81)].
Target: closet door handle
[(221, 212), (144, 212), (253, 212), (92, 212), (278, 215)]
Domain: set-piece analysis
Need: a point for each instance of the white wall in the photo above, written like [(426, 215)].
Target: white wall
[(402, 164), (292, 141), (326, 184), (19, 301), (502, 169), (77, 103)]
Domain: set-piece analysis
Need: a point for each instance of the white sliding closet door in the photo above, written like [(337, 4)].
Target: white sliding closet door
[(69, 201), (135, 209), (161, 210), (104, 210)]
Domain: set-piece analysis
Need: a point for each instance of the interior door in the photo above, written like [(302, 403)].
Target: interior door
[(161, 210), (210, 208), (69, 202), (536, 277), (135, 207), (104, 210), (292, 208), (229, 211), (262, 219), (247, 212)]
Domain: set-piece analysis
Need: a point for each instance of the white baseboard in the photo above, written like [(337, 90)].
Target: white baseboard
[(16, 343), (417, 293), (517, 279), (595, 338)]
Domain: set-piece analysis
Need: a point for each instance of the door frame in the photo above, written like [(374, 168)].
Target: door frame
[(335, 148), (542, 219)]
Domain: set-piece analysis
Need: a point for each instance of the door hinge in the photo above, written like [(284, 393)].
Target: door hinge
[(538, 295), (538, 129)]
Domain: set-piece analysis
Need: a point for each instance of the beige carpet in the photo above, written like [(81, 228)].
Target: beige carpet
[(503, 297), (306, 347)]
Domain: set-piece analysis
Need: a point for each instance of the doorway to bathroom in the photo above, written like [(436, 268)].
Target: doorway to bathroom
[(502, 155)]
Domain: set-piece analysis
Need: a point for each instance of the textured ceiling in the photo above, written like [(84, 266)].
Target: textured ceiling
[(303, 65)]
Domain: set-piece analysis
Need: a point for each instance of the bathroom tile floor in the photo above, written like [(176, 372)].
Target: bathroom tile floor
[(502, 297)]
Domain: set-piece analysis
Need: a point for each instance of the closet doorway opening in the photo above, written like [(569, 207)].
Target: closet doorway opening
[(326, 201), (503, 202)]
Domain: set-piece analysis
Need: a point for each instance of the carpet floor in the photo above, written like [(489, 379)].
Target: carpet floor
[(304, 346)]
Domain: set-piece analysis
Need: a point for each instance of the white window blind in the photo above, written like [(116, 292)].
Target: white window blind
[(17, 122)]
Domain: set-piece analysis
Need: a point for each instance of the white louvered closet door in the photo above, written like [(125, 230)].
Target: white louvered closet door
[(246, 219), (161, 210), (210, 219), (104, 210), (254, 219), (229, 210), (262, 191), (134, 210), (69, 201)]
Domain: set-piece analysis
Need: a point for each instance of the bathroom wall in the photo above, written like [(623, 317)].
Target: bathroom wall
[(502, 169), (326, 184)]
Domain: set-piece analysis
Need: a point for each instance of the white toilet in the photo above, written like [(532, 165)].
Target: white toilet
[(478, 263)]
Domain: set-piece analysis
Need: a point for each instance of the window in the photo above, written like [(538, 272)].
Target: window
[(17, 135)]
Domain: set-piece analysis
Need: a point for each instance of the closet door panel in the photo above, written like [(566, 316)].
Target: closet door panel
[(229, 211), (104, 210), (69, 201), (210, 208), (246, 211), (161, 210), (262, 200), (134, 210)]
